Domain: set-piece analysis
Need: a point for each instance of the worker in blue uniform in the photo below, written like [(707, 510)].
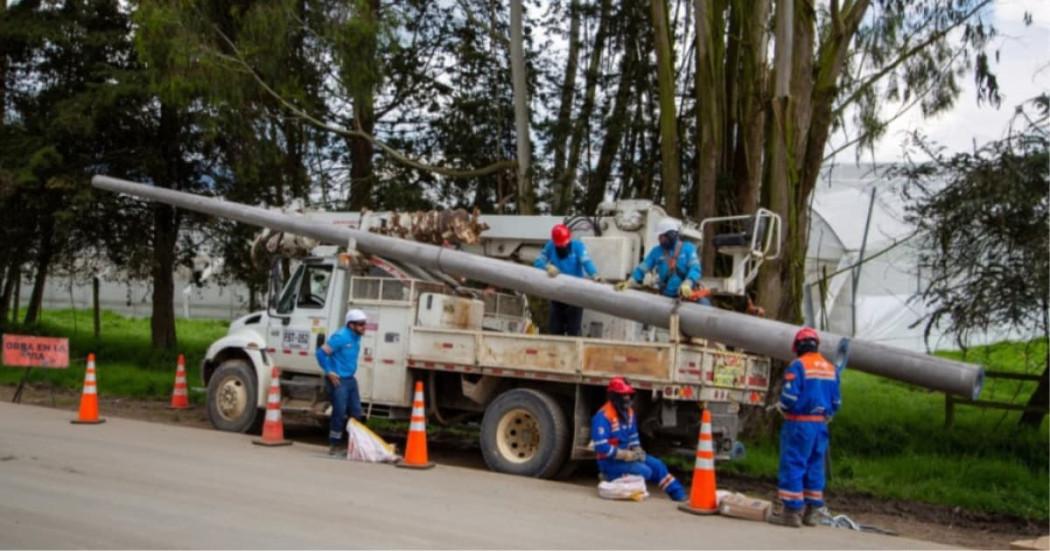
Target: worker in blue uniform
[(614, 433), (565, 255), (808, 400), (338, 360), (675, 262)]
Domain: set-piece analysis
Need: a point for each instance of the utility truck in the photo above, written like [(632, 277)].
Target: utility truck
[(431, 320), (475, 348)]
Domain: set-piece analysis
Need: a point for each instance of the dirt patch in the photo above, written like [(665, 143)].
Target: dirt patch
[(947, 525)]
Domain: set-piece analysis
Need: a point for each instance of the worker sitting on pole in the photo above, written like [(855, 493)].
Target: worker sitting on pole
[(338, 360), (614, 432), (565, 255), (675, 262), (810, 397)]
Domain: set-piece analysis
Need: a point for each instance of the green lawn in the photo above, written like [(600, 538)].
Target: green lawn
[(125, 363), (888, 440)]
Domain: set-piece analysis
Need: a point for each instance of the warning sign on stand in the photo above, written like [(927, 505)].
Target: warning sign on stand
[(27, 351)]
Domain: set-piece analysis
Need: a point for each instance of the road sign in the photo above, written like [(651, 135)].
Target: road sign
[(28, 351)]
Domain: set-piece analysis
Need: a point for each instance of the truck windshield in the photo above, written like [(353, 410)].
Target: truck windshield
[(287, 302)]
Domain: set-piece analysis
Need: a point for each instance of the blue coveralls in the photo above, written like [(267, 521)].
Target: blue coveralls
[(564, 318), (673, 267), (609, 435), (346, 347), (809, 398)]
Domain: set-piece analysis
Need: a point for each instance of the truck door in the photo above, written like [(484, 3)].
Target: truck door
[(302, 315)]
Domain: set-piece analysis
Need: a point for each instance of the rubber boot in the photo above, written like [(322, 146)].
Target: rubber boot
[(335, 450), (787, 517), (812, 515), (676, 492)]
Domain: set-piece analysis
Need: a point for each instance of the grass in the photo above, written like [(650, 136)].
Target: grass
[(889, 440), (126, 365)]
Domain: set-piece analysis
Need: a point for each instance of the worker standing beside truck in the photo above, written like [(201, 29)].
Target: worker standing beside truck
[(614, 432), (565, 255), (675, 262), (338, 359), (808, 400)]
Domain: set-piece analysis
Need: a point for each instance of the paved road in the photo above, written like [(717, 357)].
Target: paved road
[(131, 484)]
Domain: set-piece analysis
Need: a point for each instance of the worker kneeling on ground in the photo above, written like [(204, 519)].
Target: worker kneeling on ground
[(810, 397), (338, 359), (614, 431), (565, 255), (675, 262)]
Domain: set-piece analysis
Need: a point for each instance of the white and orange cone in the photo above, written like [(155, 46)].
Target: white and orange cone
[(88, 414), (180, 396), (702, 497), (416, 447), (273, 427)]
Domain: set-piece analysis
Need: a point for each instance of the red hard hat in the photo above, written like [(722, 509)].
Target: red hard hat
[(804, 334), (618, 385), (561, 235)]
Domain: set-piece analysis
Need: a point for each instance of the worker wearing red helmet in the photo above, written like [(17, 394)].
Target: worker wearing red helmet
[(809, 398), (614, 434), (565, 255)]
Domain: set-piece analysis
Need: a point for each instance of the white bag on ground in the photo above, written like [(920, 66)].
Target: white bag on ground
[(365, 445), (626, 487)]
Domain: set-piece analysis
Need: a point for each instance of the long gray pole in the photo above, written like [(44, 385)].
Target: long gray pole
[(757, 335)]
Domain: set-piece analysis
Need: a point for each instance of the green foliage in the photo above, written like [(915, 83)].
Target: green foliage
[(889, 441)]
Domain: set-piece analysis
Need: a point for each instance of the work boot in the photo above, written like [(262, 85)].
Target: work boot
[(812, 515), (335, 450), (787, 517)]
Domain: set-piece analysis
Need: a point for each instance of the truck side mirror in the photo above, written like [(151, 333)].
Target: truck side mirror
[(320, 340)]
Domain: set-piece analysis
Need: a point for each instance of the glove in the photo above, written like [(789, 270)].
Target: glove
[(552, 270), (597, 278), (627, 455), (639, 452), (624, 285), (686, 290)]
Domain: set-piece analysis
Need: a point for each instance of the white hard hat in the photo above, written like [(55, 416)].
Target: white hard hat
[(355, 315), (666, 225)]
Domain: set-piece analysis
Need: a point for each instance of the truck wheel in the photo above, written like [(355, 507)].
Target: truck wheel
[(232, 394), (525, 432)]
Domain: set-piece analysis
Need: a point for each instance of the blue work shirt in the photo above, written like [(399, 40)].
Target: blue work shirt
[(811, 389), (609, 434), (346, 347), (686, 266), (577, 263)]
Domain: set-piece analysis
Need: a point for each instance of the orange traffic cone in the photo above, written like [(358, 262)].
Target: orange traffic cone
[(702, 497), (89, 397), (416, 447), (273, 427), (180, 397)]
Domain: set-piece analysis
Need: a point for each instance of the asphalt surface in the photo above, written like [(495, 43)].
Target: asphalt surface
[(132, 484)]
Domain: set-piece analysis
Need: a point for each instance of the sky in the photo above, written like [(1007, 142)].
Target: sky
[(1023, 71)]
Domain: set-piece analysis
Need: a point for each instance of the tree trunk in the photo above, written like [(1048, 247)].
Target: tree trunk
[(669, 169), (583, 122), (165, 233), (615, 125), (561, 196), (96, 308), (43, 263), (11, 273), (362, 178), (709, 115), (526, 195), (747, 158), (18, 294)]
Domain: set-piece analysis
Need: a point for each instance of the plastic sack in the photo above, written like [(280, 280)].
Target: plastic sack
[(365, 445), (626, 487)]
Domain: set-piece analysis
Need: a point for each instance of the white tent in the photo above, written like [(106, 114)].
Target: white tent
[(885, 305)]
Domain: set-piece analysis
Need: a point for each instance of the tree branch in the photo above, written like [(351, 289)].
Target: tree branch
[(355, 133), (905, 56)]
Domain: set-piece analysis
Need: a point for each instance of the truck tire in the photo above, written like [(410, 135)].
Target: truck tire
[(525, 432), (232, 394)]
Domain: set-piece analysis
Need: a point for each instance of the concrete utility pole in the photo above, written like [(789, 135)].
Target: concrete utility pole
[(757, 335)]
